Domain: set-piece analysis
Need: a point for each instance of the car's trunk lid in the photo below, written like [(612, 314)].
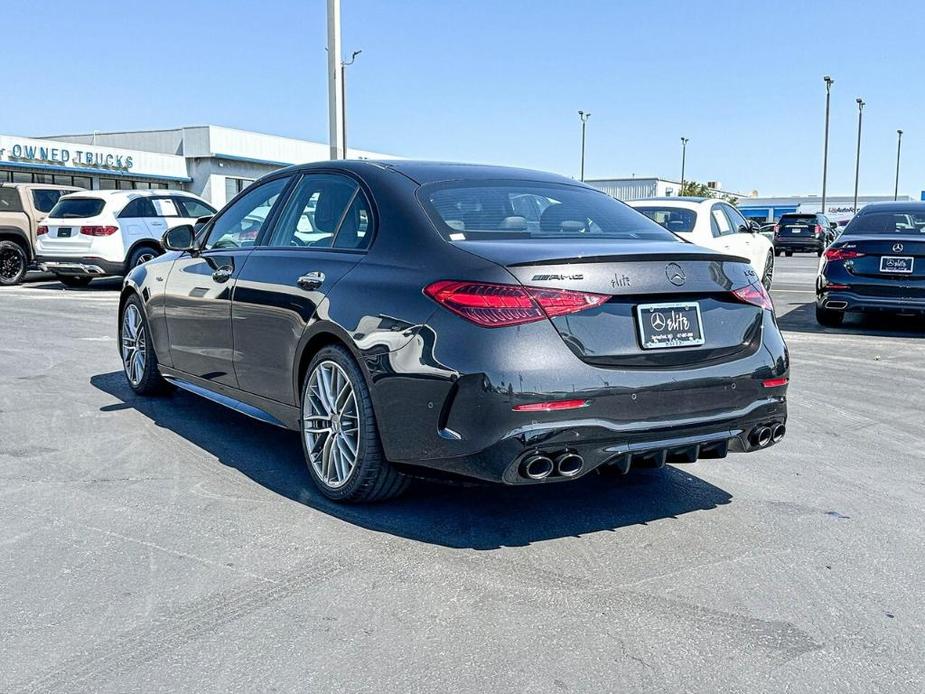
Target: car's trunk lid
[(635, 275)]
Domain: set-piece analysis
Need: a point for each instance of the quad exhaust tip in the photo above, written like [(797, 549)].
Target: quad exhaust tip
[(779, 432), (569, 464), (537, 467)]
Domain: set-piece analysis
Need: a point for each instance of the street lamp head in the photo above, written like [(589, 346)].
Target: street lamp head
[(899, 132), (685, 140), (861, 103), (828, 80)]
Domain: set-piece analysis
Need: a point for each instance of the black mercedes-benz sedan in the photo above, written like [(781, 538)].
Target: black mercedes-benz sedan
[(414, 318), (876, 265)]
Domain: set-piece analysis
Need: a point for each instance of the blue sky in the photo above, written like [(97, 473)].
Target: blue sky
[(499, 81)]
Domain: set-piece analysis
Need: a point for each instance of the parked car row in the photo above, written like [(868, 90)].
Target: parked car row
[(79, 235)]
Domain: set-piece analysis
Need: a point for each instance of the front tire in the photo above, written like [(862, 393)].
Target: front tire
[(139, 362), (829, 318), (340, 436), (13, 263), (73, 281)]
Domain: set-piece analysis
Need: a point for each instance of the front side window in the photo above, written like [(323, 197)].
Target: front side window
[(323, 212), (77, 208), (675, 219), (721, 225), (527, 210), (238, 225), (190, 207), (735, 217)]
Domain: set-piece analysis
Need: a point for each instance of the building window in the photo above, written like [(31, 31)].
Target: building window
[(83, 182), (233, 186), (107, 184), (19, 177)]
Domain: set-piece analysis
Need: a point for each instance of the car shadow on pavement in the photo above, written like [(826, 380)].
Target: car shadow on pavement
[(103, 284), (477, 516), (802, 319)]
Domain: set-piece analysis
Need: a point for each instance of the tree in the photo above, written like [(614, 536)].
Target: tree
[(693, 189)]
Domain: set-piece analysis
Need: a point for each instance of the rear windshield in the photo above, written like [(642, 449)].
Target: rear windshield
[(45, 198), (674, 219), (74, 208), (893, 222), (511, 210), (797, 219)]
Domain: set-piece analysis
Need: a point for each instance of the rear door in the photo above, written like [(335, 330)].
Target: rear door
[(321, 234), (742, 241), (200, 286), (135, 220)]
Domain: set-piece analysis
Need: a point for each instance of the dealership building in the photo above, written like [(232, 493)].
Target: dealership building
[(838, 208), (211, 161)]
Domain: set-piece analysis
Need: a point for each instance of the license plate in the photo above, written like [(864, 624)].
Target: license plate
[(898, 264), (64, 233), (796, 230), (662, 326)]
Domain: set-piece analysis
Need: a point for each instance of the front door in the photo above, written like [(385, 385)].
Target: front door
[(200, 286), (319, 236)]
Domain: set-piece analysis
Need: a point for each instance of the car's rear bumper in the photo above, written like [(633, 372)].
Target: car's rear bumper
[(852, 302), (463, 420), (807, 245), (85, 267)]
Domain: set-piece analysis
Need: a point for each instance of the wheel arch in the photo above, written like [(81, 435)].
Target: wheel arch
[(147, 243), (316, 338), (18, 236)]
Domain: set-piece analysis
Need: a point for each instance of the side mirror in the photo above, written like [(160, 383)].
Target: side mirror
[(181, 238), (833, 225), (754, 226)]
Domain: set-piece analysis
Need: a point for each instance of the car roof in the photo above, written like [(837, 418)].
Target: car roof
[(422, 172), (126, 195), (680, 202)]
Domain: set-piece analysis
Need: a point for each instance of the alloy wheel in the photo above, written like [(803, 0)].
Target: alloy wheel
[(144, 258), (11, 263), (134, 348), (331, 424), (768, 272)]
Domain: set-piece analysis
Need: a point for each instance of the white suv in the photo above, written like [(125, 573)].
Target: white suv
[(714, 224), (108, 232)]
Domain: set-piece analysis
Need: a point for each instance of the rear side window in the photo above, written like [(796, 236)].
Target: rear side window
[(45, 199), (77, 208), (139, 207), (674, 219), (9, 200), (165, 207), (524, 210)]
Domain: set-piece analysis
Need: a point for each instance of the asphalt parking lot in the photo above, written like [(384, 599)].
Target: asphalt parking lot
[(171, 544)]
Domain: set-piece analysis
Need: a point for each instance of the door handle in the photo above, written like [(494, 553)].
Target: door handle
[(311, 280), (223, 274)]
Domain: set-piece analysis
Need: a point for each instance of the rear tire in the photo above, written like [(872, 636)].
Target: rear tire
[(73, 281), (340, 436), (13, 263), (789, 254), (829, 318), (776, 253), (139, 362), (819, 253), (768, 277), (141, 255)]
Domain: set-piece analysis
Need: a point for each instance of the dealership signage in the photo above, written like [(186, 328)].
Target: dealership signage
[(28, 152)]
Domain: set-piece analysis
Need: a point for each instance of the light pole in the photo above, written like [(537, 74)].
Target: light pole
[(343, 99), (857, 159), (899, 147), (684, 141), (335, 93), (825, 148), (584, 121)]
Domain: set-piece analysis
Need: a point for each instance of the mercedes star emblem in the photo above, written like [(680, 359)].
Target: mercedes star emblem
[(658, 321), (897, 248), (675, 274)]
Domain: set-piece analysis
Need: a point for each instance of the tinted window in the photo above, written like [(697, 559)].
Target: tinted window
[(809, 219), (238, 225), (509, 210), (139, 207), (721, 224), (892, 222), (9, 200), (45, 199), (77, 208), (354, 231), (193, 208), (314, 212), (675, 219), (735, 217)]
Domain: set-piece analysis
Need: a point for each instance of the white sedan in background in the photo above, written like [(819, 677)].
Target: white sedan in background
[(713, 224)]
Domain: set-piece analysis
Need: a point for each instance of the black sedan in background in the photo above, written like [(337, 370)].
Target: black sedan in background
[(877, 264), (469, 321)]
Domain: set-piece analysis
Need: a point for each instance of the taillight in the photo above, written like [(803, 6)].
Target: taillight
[(499, 305), (775, 382), (98, 231), (818, 229), (754, 294), (776, 229), (841, 254), (41, 230)]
